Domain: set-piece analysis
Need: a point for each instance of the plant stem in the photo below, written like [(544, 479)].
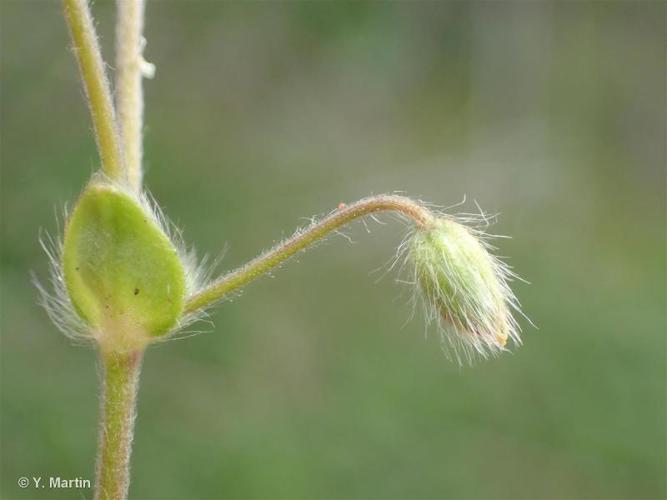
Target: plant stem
[(129, 92), (95, 82), (120, 381), (417, 213)]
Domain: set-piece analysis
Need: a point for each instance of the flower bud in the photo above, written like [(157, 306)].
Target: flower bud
[(122, 273), (465, 287)]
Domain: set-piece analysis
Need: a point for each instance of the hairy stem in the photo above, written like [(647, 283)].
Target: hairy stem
[(120, 380), (95, 82), (418, 214), (129, 92)]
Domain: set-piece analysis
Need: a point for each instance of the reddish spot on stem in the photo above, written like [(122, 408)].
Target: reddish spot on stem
[(341, 206)]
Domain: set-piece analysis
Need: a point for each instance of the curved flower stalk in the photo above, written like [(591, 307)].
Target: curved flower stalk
[(464, 287), (123, 280)]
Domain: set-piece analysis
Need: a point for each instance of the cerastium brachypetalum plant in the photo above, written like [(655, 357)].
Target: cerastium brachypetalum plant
[(123, 280)]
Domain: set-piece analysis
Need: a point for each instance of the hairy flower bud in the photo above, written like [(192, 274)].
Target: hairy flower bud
[(464, 286), (122, 273)]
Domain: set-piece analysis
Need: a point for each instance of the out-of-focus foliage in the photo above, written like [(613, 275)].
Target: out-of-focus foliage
[(263, 113)]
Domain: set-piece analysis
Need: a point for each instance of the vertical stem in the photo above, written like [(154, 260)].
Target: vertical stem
[(120, 381), (129, 92), (95, 82)]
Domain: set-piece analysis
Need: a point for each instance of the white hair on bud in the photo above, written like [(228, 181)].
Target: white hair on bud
[(468, 314)]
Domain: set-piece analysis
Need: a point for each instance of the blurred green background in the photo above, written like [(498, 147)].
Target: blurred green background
[(312, 384)]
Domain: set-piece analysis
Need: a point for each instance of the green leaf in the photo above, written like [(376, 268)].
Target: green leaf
[(122, 272)]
